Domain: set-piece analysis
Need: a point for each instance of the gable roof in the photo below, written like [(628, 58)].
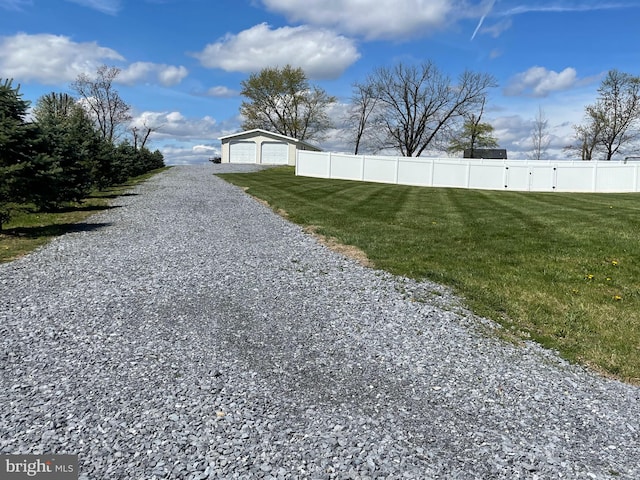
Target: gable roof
[(260, 131)]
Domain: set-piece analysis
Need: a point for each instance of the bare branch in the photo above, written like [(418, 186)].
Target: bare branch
[(103, 102), (612, 123), (540, 139), (418, 105)]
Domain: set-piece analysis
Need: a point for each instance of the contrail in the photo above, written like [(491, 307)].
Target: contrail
[(489, 8)]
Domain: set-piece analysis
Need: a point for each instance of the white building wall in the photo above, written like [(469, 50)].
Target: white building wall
[(259, 139)]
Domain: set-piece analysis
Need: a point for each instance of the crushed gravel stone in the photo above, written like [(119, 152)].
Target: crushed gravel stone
[(188, 332)]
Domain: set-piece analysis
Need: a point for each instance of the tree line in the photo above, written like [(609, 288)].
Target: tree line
[(406, 108), (413, 109), (67, 146)]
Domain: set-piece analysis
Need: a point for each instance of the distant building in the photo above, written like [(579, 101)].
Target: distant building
[(263, 147), (488, 153)]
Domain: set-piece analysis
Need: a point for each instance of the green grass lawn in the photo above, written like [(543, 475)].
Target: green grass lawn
[(29, 229), (563, 269)]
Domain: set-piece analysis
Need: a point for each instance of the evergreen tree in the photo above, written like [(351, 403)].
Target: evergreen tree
[(17, 139), (68, 137)]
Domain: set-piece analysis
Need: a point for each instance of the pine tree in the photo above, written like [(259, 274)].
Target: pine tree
[(17, 138), (69, 139)]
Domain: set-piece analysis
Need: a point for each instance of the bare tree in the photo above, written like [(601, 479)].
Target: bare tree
[(540, 139), (616, 112), (612, 123), (103, 102), (363, 104), (587, 137), (418, 104), (141, 135)]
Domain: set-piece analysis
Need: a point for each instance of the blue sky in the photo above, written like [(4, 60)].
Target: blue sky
[(182, 61)]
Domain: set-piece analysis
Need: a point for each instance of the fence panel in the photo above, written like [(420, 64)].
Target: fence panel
[(346, 167), (517, 175), (380, 169), (489, 176), (575, 178), (415, 172), (615, 178), (542, 178), (312, 164), (447, 173)]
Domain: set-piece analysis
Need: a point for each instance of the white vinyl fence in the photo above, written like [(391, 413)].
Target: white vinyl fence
[(518, 175)]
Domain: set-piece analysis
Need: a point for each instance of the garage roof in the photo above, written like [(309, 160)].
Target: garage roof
[(260, 131)]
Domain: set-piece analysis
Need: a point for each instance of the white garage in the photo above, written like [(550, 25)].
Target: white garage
[(242, 152), (262, 147), (275, 153)]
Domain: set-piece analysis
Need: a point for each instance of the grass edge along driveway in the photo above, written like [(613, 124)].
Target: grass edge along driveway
[(561, 269), (29, 228)]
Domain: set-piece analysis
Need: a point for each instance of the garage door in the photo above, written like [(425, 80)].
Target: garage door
[(275, 153), (242, 152)]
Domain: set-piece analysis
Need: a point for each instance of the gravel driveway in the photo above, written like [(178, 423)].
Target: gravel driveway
[(189, 332)]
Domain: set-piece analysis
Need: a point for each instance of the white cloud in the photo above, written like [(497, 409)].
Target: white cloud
[(176, 126), (320, 53), (50, 59), (110, 7), (514, 132), (171, 75), (175, 117), (563, 7), (540, 82), (183, 140), (14, 4), (56, 59), (512, 129), (222, 92), (167, 75), (498, 28), (188, 154), (205, 150), (386, 19)]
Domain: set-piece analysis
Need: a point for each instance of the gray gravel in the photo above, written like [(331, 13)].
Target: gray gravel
[(189, 332)]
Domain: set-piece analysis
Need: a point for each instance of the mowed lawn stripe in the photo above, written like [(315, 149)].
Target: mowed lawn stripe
[(560, 268)]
